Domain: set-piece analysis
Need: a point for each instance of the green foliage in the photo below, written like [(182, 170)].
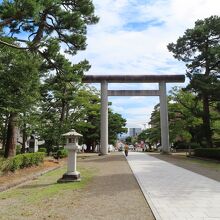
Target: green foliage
[(21, 161), (186, 145), (199, 49), (185, 112), (19, 80), (143, 136), (62, 153), (19, 90), (128, 140), (58, 104), (153, 134), (42, 149), (185, 119), (38, 21), (42, 27), (86, 117), (195, 145), (116, 126), (213, 153), (18, 149)]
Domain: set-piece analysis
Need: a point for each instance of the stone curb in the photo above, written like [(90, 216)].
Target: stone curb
[(28, 178)]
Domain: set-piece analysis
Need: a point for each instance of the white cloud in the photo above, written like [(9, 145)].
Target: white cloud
[(114, 49)]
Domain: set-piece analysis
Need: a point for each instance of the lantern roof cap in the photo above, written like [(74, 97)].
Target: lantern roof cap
[(72, 132)]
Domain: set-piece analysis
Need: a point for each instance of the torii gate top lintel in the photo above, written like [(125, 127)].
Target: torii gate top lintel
[(133, 78)]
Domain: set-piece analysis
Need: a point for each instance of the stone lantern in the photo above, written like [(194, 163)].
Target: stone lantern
[(72, 146)]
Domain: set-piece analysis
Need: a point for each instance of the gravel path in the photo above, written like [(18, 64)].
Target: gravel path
[(114, 192)]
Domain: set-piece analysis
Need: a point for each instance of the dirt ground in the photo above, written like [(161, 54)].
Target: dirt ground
[(12, 179), (113, 193)]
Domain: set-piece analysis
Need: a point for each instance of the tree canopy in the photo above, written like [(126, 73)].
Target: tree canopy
[(19, 89), (35, 22), (199, 48), (39, 33)]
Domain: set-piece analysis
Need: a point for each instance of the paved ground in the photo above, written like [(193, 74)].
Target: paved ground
[(173, 192)]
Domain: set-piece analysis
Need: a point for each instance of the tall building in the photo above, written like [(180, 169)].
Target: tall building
[(134, 131)]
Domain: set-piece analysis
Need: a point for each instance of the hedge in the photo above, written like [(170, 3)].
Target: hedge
[(184, 145), (62, 153), (213, 153), (22, 160), (43, 149)]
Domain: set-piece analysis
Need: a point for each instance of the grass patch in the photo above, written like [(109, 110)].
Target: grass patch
[(47, 186), (183, 159), (204, 163)]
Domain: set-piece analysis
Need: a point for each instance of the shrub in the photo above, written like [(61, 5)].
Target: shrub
[(2, 152), (26, 160), (213, 153), (181, 145), (62, 153), (16, 162), (6, 165), (22, 160), (43, 149), (18, 149), (195, 145)]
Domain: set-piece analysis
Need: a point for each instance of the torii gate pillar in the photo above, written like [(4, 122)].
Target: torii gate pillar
[(164, 118), (104, 118)]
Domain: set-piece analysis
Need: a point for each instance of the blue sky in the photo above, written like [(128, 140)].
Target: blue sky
[(131, 38)]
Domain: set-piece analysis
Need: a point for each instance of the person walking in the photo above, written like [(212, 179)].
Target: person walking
[(126, 150)]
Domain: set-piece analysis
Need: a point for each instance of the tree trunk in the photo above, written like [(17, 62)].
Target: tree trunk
[(67, 112), (4, 133), (10, 148), (63, 108), (62, 116), (93, 146), (206, 113), (89, 146), (206, 121), (24, 138)]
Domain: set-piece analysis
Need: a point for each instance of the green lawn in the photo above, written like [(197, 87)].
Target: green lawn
[(46, 186), (182, 159)]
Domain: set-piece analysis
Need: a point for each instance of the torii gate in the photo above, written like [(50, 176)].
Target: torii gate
[(161, 79)]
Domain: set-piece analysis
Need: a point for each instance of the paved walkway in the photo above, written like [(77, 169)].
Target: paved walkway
[(174, 193)]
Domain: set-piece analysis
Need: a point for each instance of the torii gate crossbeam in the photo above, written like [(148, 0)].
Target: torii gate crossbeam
[(161, 79)]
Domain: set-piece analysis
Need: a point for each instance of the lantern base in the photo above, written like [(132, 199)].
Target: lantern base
[(70, 177)]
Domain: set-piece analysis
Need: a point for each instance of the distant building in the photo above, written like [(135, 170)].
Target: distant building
[(132, 132)]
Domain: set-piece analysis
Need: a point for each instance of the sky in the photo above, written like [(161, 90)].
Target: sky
[(132, 37)]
